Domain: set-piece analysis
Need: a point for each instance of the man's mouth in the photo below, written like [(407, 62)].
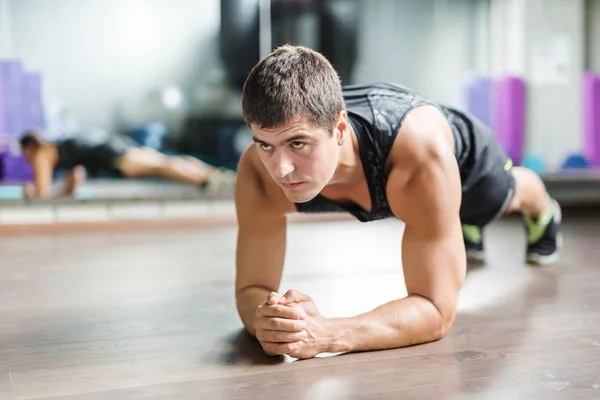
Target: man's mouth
[(290, 185)]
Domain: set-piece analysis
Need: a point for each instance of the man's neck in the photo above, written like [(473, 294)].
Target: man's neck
[(349, 171)]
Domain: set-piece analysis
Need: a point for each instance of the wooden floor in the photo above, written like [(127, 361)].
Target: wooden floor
[(150, 315)]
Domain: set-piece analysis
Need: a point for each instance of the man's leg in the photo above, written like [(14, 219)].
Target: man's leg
[(137, 162), (73, 179), (473, 240), (494, 187), (531, 198), (502, 192), (541, 214)]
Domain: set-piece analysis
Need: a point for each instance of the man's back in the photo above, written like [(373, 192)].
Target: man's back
[(78, 150), (376, 113), (94, 150), (380, 109)]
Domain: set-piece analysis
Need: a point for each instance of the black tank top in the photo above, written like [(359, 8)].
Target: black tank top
[(376, 113), (68, 151), (93, 149)]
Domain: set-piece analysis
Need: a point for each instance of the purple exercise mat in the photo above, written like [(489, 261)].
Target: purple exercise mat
[(31, 101), (21, 108), (509, 116), (15, 168), (591, 117)]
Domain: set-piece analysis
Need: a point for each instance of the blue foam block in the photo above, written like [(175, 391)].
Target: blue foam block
[(83, 193), (575, 161), (535, 163), (11, 192)]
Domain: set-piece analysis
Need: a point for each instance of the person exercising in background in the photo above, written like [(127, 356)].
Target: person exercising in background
[(375, 151), (112, 154)]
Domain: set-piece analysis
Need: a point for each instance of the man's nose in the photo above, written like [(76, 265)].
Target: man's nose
[(283, 165)]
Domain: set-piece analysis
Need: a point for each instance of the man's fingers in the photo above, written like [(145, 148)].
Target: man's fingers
[(281, 311), (280, 348), (280, 324), (293, 296), (280, 336), (273, 298)]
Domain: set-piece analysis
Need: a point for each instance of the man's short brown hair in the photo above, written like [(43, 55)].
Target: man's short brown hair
[(292, 81), (30, 139)]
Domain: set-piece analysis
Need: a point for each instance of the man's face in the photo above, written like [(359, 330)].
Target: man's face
[(300, 157), (28, 153)]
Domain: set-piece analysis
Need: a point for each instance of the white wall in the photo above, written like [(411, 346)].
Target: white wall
[(480, 37), (554, 126), (541, 41), (5, 39), (507, 35), (103, 58), (427, 45), (431, 45)]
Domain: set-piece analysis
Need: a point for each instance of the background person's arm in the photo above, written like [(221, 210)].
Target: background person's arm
[(73, 178), (42, 178)]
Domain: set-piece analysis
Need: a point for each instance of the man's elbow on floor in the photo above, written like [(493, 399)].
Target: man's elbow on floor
[(442, 320), (245, 315), (446, 321)]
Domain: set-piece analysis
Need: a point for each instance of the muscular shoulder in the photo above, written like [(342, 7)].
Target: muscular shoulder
[(424, 138), (256, 193), (424, 173), (44, 157)]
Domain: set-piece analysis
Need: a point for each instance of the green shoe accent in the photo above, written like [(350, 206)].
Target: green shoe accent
[(472, 233), (536, 228)]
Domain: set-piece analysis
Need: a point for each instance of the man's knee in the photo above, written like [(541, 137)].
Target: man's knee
[(529, 190), (514, 206)]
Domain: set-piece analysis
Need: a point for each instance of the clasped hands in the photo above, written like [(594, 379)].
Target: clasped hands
[(29, 191), (291, 324)]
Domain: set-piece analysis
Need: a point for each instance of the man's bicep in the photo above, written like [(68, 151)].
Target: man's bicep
[(432, 248)]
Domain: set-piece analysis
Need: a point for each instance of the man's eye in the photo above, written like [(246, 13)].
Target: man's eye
[(265, 146), (298, 145)]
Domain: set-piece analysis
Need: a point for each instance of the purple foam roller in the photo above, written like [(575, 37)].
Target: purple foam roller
[(477, 98), (509, 116), (32, 112), (591, 117), (11, 76), (3, 97)]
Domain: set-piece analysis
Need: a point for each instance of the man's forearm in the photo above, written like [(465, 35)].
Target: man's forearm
[(68, 187), (247, 301), (399, 323), (73, 179), (43, 194), (42, 190), (31, 192)]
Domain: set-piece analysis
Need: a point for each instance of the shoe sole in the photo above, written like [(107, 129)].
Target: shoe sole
[(537, 259), (476, 256)]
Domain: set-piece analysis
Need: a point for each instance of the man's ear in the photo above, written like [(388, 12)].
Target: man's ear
[(341, 129)]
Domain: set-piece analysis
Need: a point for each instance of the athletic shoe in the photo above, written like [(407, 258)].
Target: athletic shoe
[(473, 239), (219, 179), (544, 239)]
